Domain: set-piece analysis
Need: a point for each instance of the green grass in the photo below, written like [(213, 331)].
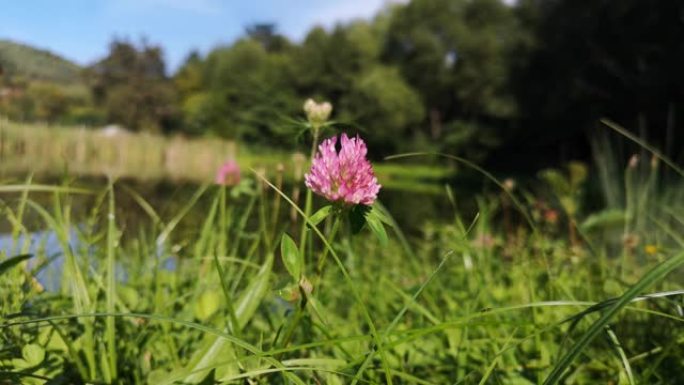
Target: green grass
[(500, 296)]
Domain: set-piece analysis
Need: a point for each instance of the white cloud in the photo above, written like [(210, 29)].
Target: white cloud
[(195, 6)]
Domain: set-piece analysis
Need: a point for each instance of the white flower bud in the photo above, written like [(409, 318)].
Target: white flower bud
[(317, 113)]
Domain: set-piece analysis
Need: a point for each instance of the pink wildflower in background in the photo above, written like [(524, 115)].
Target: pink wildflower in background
[(346, 176), (228, 174)]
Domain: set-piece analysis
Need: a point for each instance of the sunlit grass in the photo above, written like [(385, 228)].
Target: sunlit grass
[(502, 296)]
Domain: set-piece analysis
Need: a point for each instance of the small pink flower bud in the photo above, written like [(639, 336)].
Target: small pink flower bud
[(228, 174)]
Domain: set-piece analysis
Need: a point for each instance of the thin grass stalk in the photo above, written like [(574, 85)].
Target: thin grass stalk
[(233, 324), (111, 285), (308, 200)]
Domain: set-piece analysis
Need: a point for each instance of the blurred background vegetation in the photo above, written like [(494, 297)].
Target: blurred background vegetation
[(474, 78)]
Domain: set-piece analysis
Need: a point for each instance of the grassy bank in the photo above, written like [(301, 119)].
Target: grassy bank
[(56, 151)]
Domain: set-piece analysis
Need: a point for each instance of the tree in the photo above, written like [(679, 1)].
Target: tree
[(616, 59), (266, 35), (189, 79), (456, 54), (131, 86), (246, 91), (386, 107), (344, 67), (327, 64)]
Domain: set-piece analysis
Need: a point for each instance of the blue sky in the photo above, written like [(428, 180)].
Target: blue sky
[(81, 30)]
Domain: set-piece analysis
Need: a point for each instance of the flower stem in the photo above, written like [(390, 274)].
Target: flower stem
[(302, 247), (295, 322), (322, 260), (233, 324), (309, 197), (319, 273)]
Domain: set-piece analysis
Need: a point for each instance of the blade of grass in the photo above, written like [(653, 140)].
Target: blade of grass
[(161, 239), (621, 354), (43, 188), (653, 276), (616, 127), (111, 283), (496, 361), (18, 226), (13, 261), (145, 205)]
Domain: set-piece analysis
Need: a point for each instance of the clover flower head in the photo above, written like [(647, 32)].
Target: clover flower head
[(228, 174), (345, 176)]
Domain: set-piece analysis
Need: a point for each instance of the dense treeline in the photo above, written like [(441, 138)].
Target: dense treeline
[(475, 78)]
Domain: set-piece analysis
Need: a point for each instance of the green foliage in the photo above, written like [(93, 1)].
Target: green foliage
[(584, 64), (321, 214), (47, 102), (13, 261), (567, 187), (292, 259), (387, 106), (457, 55), (243, 87), (207, 304), (36, 85), (33, 355), (605, 219), (131, 87)]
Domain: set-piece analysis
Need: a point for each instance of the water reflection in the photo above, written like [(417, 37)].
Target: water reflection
[(48, 270)]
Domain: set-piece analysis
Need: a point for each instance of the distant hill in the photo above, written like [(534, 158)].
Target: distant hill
[(18, 59)]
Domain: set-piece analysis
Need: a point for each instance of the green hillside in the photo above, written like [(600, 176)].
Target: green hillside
[(21, 60)]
